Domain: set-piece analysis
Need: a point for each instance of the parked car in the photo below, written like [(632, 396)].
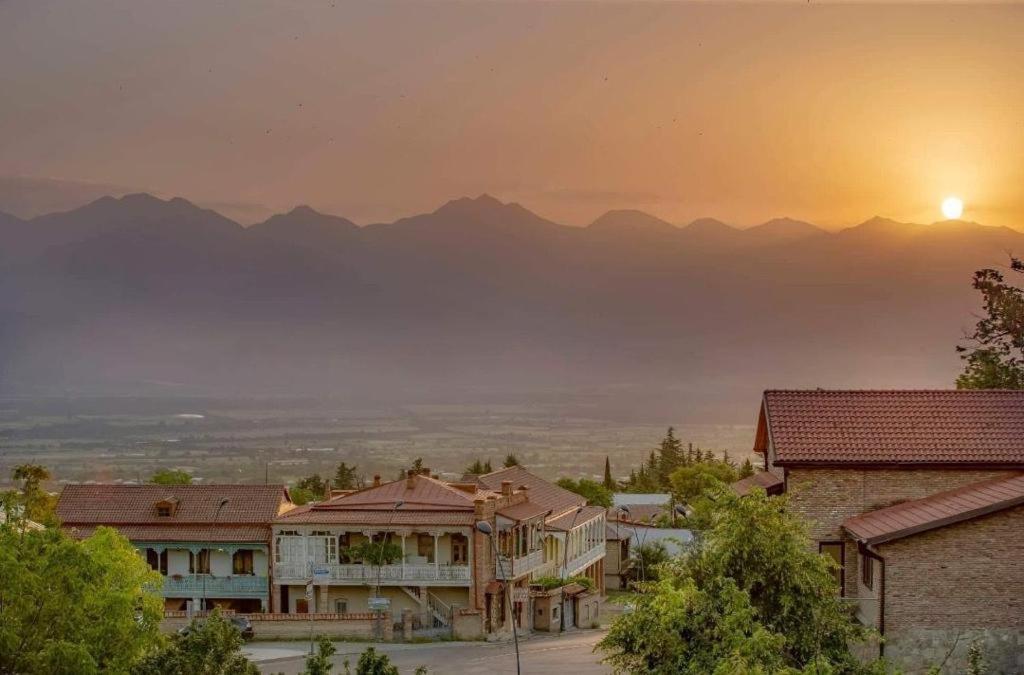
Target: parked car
[(242, 623)]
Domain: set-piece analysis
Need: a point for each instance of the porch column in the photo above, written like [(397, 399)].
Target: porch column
[(403, 534), (437, 557)]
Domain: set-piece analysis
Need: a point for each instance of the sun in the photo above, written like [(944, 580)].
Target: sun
[(952, 207)]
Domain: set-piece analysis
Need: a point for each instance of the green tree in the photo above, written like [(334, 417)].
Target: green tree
[(753, 593), (691, 482), (171, 477), (746, 469), (994, 355), (346, 477), (670, 455), (596, 494), (33, 501), (320, 663), (478, 468), (645, 561), (376, 552), (511, 460), (70, 606), (300, 496), (210, 647), (314, 486), (609, 482), (417, 465)]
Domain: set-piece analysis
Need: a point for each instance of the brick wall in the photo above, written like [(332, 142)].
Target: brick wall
[(825, 497), (291, 626)]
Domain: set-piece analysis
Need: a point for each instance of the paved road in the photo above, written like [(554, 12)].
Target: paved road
[(563, 655)]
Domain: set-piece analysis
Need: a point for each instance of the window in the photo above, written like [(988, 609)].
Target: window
[(460, 549), (242, 562), (287, 546), (323, 547), (163, 510), (203, 562), (157, 561), (835, 550), (867, 571), (341, 606)]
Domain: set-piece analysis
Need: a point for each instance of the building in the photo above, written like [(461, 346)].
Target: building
[(444, 570), (641, 507), (211, 543), (623, 538), (919, 498)]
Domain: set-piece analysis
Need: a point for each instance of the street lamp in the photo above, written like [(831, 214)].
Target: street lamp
[(565, 563), (383, 539), (485, 528), (209, 564)]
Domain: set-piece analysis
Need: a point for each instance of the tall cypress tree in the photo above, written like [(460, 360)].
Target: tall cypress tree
[(609, 482)]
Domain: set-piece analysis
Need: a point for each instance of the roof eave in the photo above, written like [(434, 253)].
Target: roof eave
[(937, 523)]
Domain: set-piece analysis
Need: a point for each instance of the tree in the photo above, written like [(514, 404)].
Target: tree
[(691, 482), (34, 503), (609, 482), (645, 560), (753, 597), (376, 553), (670, 455), (171, 477), (596, 494), (314, 488), (320, 663), (372, 663), (209, 647), (478, 468), (746, 469), (511, 460), (300, 496), (70, 606), (994, 355), (417, 465), (346, 477)]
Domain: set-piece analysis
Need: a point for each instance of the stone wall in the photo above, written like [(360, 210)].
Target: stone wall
[(297, 626), (467, 624), (918, 649)]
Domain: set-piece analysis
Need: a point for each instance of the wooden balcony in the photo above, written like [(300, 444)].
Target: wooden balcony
[(390, 575)]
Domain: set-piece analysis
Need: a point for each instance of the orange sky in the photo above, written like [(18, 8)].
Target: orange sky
[(375, 110)]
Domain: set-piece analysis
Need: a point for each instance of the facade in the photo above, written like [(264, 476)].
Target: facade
[(916, 495), (443, 567), (211, 543), (622, 538)]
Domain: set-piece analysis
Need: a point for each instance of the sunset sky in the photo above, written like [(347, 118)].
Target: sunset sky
[(376, 110)]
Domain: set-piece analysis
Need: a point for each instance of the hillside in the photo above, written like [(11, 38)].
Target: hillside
[(480, 298)]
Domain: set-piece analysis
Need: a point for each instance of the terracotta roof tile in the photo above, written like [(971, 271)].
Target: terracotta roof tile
[(766, 480), (224, 533), (304, 516), (81, 504), (563, 522), (425, 493), (906, 427), (938, 510), (541, 492), (522, 511)]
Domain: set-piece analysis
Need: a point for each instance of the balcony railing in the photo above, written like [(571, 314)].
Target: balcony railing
[(584, 560), (511, 568), (236, 586), (390, 575)]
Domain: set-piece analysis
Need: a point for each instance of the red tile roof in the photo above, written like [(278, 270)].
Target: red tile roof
[(315, 516), (766, 480), (562, 523), (902, 427), (938, 510), (82, 504), (522, 511), (221, 533), (639, 513), (550, 496)]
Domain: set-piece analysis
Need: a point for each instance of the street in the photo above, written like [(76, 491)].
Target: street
[(539, 654)]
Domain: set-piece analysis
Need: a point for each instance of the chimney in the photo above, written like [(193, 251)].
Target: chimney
[(506, 487), (376, 480), (410, 479)]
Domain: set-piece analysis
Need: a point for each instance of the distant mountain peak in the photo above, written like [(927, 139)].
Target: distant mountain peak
[(631, 220), (784, 229), (709, 225)]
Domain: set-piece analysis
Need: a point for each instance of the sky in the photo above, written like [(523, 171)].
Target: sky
[(376, 110)]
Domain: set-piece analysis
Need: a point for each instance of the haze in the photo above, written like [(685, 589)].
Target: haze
[(376, 110)]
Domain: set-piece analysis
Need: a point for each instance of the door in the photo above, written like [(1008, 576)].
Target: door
[(286, 606), (570, 614)]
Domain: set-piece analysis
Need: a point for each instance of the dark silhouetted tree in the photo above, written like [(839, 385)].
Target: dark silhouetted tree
[(994, 355)]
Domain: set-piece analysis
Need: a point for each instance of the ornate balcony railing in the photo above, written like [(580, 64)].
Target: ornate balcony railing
[(389, 575), (511, 568), (235, 586), (584, 560)]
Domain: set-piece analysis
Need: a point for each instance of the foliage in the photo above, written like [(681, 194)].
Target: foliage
[(210, 647), (746, 470), (346, 477), (608, 482), (376, 552), (372, 663), (71, 606), (655, 475), (976, 660), (320, 663), (300, 496), (315, 486), (596, 494), (753, 597), (511, 460), (994, 357), (479, 468), (645, 561), (32, 501), (550, 583), (171, 477)]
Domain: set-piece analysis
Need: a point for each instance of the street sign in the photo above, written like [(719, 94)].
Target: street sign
[(321, 574), (378, 604)]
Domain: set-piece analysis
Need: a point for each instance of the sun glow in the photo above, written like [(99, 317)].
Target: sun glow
[(952, 207)]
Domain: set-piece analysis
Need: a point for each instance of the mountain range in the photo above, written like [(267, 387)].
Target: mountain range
[(480, 298)]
